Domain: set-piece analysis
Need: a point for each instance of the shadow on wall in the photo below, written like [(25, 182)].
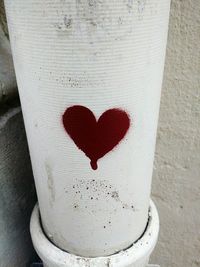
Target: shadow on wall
[(17, 193), (3, 18), (8, 86)]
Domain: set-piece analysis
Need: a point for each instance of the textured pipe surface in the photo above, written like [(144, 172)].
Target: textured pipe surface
[(136, 255), (79, 62)]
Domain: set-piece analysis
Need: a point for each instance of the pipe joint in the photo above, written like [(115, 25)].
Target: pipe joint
[(135, 256)]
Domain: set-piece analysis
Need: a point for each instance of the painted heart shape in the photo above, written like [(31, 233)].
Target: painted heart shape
[(95, 137)]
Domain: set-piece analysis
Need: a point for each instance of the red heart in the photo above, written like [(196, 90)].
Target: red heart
[(95, 138)]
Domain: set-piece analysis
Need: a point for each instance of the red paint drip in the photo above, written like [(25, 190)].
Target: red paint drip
[(95, 138), (93, 164)]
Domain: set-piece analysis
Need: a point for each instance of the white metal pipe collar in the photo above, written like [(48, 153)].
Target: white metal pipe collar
[(135, 256)]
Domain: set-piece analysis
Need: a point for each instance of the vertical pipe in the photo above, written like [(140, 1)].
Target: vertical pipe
[(89, 74)]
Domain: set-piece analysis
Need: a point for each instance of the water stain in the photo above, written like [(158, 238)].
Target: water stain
[(129, 5), (65, 25), (141, 5), (50, 182)]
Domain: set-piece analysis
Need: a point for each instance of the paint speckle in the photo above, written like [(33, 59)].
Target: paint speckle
[(115, 195), (91, 191), (67, 22), (76, 206)]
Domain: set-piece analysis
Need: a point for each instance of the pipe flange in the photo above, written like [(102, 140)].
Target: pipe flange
[(135, 256)]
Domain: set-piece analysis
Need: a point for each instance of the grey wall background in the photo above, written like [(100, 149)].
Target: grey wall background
[(176, 179), (17, 194)]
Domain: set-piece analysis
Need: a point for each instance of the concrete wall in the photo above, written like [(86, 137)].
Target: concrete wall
[(17, 194), (176, 181), (7, 77)]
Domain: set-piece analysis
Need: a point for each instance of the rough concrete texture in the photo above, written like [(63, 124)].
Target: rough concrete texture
[(17, 195), (7, 75), (3, 18), (176, 181)]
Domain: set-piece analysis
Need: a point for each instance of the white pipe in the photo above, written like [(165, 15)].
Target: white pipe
[(89, 74), (135, 256)]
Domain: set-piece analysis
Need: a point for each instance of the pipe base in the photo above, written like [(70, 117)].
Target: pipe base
[(135, 256)]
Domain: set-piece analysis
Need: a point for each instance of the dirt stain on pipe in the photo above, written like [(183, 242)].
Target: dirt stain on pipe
[(115, 196), (50, 182), (95, 190)]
